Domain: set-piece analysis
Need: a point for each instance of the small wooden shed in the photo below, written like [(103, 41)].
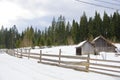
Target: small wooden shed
[(84, 48), (102, 44)]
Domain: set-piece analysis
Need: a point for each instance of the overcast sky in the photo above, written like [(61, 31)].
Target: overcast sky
[(39, 13)]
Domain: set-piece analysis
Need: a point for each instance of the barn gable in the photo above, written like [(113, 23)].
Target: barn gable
[(84, 48), (102, 44)]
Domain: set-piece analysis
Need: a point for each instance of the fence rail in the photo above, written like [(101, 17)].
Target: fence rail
[(104, 60), (106, 67)]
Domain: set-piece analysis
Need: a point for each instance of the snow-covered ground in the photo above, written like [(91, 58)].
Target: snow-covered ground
[(12, 68), (66, 50)]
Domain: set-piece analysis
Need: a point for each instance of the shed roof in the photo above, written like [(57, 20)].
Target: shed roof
[(82, 43)]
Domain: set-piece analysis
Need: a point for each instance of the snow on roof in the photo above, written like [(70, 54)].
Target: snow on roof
[(81, 43), (98, 38), (117, 45)]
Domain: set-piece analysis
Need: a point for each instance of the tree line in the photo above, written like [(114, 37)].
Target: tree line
[(61, 32)]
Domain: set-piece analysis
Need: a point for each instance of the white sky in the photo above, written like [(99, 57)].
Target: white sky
[(39, 13)]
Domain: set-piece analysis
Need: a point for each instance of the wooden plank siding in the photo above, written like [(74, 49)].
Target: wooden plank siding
[(102, 44), (84, 48)]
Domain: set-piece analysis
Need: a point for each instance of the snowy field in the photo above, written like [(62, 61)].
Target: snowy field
[(66, 50), (71, 50), (12, 68)]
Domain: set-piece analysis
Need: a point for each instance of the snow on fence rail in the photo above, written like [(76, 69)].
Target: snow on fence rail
[(106, 67)]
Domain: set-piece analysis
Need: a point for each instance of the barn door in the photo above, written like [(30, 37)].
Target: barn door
[(78, 51)]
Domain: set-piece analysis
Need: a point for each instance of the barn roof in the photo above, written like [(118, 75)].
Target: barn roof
[(101, 37), (98, 38), (82, 43)]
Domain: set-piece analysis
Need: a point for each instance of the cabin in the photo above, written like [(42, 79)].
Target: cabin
[(102, 44), (84, 48)]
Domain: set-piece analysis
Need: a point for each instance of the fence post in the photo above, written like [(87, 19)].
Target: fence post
[(7, 51), (14, 52), (88, 62), (17, 52), (25, 50), (59, 56), (40, 56), (21, 54), (28, 53)]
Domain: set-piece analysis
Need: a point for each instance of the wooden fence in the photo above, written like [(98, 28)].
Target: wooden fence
[(107, 67), (77, 63), (81, 63)]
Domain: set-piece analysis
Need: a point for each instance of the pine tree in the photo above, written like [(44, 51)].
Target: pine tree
[(49, 43), (90, 29), (83, 27), (53, 31), (116, 19), (68, 34), (60, 30), (28, 37), (97, 25), (2, 38), (75, 31), (106, 25)]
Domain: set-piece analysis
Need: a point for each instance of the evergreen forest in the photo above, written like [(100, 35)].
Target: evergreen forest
[(61, 32)]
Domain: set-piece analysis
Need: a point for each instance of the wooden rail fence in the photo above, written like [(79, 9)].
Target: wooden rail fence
[(77, 63), (81, 63), (107, 67)]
